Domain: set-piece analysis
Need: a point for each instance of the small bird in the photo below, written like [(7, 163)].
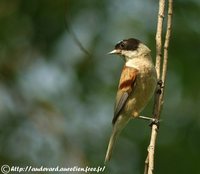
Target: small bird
[(136, 86)]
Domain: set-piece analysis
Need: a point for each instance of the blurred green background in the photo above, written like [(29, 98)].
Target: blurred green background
[(56, 102)]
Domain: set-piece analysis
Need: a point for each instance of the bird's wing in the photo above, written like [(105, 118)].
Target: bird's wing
[(126, 86)]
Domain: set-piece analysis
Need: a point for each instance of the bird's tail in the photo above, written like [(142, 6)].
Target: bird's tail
[(111, 143), (117, 128)]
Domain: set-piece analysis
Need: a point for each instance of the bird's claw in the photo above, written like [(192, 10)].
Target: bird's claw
[(152, 120), (155, 121)]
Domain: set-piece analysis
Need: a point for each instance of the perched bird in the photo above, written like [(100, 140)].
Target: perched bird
[(136, 86)]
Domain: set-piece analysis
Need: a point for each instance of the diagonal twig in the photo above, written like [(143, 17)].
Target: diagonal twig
[(75, 38)]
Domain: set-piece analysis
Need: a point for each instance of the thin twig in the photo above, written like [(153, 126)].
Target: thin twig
[(159, 95), (75, 38)]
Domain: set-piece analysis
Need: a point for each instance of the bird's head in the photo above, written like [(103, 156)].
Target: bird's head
[(130, 49)]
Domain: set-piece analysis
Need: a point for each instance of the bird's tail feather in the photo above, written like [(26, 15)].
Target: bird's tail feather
[(111, 143), (117, 128)]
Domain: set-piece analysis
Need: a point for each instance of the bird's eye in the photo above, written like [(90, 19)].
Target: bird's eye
[(122, 45)]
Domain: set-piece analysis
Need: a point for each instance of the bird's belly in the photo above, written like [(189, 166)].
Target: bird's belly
[(143, 91)]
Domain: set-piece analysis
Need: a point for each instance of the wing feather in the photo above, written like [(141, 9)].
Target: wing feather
[(126, 86)]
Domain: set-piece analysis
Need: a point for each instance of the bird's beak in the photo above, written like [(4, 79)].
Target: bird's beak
[(114, 52)]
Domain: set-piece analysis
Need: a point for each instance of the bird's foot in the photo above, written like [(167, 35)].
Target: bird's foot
[(152, 120), (160, 86), (156, 122)]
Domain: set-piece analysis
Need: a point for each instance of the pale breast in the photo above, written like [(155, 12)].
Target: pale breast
[(144, 89)]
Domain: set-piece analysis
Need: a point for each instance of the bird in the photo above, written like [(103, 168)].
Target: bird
[(137, 85)]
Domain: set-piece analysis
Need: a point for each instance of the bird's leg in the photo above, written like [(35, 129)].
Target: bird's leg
[(152, 120), (146, 118)]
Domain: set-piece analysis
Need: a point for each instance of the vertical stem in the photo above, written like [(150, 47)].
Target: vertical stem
[(151, 148), (161, 15), (159, 94), (146, 165)]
